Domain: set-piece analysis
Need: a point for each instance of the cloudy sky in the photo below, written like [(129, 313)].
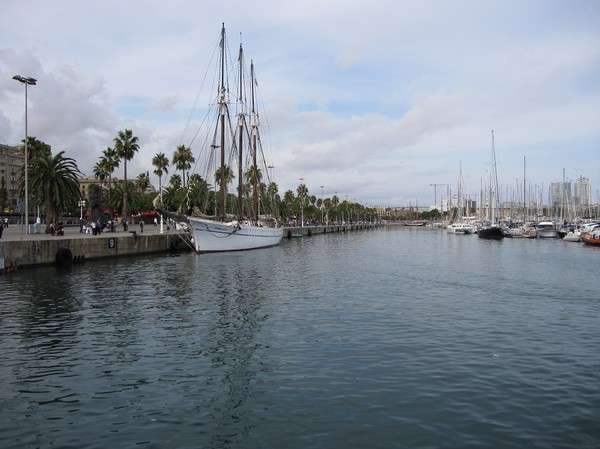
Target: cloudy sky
[(373, 100)]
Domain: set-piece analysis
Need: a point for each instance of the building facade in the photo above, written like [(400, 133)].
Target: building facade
[(583, 191), (12, 161)]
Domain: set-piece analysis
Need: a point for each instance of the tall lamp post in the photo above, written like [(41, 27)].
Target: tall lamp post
[(302, 203), (322, 206), (27, 81)]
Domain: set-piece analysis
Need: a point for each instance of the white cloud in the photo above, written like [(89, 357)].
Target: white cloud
[(373, 100)]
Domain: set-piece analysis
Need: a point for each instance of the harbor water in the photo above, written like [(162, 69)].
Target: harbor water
[(388, 338)]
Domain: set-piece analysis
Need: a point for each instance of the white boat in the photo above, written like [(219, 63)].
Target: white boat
[(212, 236), (514, 232), (239, 144), (572, 236), (460, 228), (547, 230), (462, 224), (491, 229)]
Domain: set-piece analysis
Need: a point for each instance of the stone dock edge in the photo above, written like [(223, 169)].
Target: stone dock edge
[(30, 251)]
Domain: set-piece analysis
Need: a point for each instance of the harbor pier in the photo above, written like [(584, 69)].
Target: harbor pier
[(20, 250)]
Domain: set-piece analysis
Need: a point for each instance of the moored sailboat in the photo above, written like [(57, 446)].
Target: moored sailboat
[(491, 229), (461, 225), (246, 229)]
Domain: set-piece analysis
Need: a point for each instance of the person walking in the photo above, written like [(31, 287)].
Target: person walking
[(1, 227)]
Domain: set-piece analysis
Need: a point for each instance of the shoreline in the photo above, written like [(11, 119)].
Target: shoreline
[(19, 250)]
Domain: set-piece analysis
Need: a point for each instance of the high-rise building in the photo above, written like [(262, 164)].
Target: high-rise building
[(560, 193), (583, 191)]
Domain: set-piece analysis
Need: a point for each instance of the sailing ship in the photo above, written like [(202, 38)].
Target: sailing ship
[(492, 229), (241, 230), (461, 225)]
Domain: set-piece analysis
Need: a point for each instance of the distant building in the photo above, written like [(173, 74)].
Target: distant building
[(12, 161), (560, 193), (85, 183), (583, 192), (449, 203)]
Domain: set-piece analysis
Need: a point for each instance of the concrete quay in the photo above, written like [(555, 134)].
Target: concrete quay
[(308, 231), (21, 250)]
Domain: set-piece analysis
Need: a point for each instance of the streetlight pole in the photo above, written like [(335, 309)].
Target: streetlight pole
[(81, 205), (302, 202), (27, 81), (322, 206), (162, 229)]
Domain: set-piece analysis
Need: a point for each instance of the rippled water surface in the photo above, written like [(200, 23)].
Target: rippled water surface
[(390, 338)]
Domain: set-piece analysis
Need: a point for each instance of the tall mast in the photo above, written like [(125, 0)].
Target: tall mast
[(496, 193), (524, 189), (254, 116), (241, 134), (223, 111)]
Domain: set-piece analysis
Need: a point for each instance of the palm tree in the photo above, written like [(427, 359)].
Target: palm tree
[(126, 145), (175, 181), (36, 147), (161, 166), (110, 160), (229, 176), (143, 181), (100, 171), (54, 181), (183, 159)]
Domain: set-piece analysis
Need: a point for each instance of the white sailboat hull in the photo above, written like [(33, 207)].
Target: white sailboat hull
[(213, 236), (460, 228)]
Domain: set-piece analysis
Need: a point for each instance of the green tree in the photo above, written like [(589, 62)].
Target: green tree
[(3, 198), (143, 181), (110, 161), (183, 159), (126, 145), (160, 162), (53, 182), (36, 148), (100, 171), (175, 181)]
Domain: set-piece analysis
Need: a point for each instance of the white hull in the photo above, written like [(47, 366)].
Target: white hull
[(513, 232), (546, 230), (460, 228), (572, 237), (213, 236)]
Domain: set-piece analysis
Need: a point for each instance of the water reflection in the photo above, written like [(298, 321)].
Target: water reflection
[(233, 340), (342, 339)]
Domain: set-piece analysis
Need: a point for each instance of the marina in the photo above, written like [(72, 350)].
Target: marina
[(390, 337)]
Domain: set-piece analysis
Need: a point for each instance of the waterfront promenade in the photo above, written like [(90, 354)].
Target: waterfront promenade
[(19, 233), (21, 250)]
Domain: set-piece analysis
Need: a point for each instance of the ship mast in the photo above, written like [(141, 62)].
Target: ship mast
[(241, 133), (222, 111), (254, 125)]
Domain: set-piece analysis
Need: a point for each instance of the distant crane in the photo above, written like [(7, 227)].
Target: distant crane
[(435, 186)]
